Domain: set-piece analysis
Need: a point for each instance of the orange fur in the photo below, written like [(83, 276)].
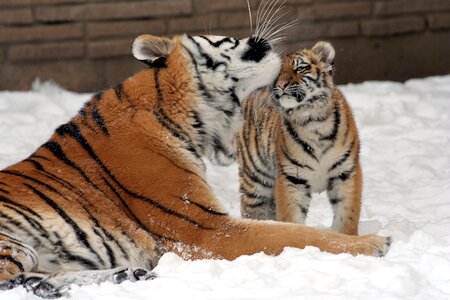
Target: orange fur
[(128, 175), (286, 153)]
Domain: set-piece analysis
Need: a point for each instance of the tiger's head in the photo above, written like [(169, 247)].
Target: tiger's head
[(224, 65), (225, 70), (306, 78)]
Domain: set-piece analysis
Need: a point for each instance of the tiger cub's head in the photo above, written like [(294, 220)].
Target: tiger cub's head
[(306, 78)]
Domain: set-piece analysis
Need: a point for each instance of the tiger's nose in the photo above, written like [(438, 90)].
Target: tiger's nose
[(282, 84)]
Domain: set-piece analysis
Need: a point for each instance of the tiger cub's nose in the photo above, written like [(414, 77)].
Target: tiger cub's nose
[(282, 84)]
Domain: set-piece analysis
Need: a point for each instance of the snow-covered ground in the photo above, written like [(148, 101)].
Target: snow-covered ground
[(405, 130)]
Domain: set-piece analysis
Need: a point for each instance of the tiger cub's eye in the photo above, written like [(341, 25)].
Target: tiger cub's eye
[(302, 68)]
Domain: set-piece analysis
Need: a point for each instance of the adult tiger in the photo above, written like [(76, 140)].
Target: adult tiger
[(302, 139), (123, 182)]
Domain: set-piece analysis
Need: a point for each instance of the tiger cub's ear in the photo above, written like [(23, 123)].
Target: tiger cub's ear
[(152, 50), (325, 51)]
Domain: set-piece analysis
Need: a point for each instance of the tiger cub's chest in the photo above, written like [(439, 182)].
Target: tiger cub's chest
[(315, 149)]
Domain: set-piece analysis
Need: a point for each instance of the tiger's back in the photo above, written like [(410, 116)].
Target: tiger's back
[(297, 139)]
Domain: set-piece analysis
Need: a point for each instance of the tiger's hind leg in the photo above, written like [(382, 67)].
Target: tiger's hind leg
[(16, 258), (344, 193)]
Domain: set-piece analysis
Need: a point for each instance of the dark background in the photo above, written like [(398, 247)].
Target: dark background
[(84, 45)]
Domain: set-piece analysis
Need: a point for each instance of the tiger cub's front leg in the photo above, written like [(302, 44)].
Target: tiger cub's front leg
[(293, 195), (344, 193)]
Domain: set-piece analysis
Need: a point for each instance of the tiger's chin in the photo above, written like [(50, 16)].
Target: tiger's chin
[(289, 102)]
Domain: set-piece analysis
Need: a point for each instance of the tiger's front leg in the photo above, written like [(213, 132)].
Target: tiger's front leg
[(293, 196), (344, 194)]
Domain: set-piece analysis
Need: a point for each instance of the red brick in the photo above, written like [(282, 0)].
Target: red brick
[(342, 29), (439, 21), (392, 26), (409, 6), (202, 6), (313, 31), (237, 33), (61, 13), (235, 19), (206, 23), (113, 11), (125, 28), (37, 2), (296, 2), (341, 10), (127, 10), (110, 48), (16, 16), (41, 33), (51, 51), (2, 54)]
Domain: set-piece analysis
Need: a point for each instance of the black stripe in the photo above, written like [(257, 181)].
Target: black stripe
[(57, 151), (98, 96), (335, 201), (73, 131), (118, 91), (13, 261), (296, 181), (80, 234), (218, 43), (343, 158), (255, 178), (109, 251), (22, 207), (37, 165), (174, 128), (202, 207), (343, 177), (304, 210), (200, 84), (306, 147), (210, 64), (40, 157), (255, 196), (227, 58), (131, 214), (294, 161), (337, 121), (33, 223), (249, 158), (109, 236), (99, 120), (4, 184), (18, 225), (4, 191), (67, 255)]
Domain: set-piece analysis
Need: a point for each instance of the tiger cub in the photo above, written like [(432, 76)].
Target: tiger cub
[(300, 137)]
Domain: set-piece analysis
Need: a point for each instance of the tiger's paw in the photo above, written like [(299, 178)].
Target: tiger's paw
[(34, 283), (375, 245), (133, 275)]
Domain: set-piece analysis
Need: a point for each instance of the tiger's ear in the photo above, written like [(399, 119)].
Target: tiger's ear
[(325, 51), (152, 49)]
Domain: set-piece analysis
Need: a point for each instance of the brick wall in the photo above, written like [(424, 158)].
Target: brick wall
[(85, 44)]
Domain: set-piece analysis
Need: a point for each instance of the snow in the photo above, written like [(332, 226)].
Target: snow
[(405, 131)]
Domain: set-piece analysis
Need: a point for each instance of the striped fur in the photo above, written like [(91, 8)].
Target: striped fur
[(123, 181), (300, 139)]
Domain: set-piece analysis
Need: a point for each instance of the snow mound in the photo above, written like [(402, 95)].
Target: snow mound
[(405, 133)]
